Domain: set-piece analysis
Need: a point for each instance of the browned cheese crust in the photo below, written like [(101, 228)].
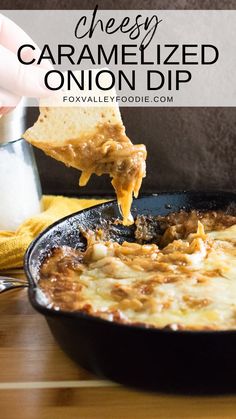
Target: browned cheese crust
[(175, 282)]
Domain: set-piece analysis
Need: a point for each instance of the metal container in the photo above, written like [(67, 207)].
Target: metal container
[(20, 190), (12, 124)]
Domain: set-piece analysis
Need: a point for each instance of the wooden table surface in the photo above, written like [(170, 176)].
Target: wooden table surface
[(37, 380)]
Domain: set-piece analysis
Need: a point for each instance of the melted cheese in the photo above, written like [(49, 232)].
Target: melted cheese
[(103, 149), (190, 284)]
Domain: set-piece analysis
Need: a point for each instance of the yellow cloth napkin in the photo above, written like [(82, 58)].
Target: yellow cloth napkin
[(14, 244)]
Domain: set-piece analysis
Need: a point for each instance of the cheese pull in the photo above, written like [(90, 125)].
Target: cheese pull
[(92, 140)]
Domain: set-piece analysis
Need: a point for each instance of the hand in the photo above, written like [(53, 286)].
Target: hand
[(16, 79)]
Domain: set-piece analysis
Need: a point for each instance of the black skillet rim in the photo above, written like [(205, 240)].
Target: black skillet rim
[(81, 315)]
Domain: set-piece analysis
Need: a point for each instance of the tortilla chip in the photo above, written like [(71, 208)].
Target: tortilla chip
[(93, 140)]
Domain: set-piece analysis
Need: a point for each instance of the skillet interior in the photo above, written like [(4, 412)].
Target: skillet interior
[(176, 360)]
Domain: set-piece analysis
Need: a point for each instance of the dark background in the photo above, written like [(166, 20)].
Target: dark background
[(188, 148)]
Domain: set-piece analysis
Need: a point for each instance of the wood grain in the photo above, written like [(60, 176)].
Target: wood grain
[(111, 403), (37, 380), (28, 351)]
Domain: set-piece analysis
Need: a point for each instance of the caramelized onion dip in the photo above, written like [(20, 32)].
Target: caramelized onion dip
[(180, 273)]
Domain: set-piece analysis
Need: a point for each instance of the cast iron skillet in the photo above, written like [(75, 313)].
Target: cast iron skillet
[(135, 355)]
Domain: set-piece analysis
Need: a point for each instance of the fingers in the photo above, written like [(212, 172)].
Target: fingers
[(12, 37), (4, 111), (16, 79), (19, 79), (8, 101)]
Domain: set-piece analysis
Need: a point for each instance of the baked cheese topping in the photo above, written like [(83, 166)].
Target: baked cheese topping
[(188, 284)]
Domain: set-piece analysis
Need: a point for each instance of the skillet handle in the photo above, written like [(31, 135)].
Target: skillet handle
[(7, 284)]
